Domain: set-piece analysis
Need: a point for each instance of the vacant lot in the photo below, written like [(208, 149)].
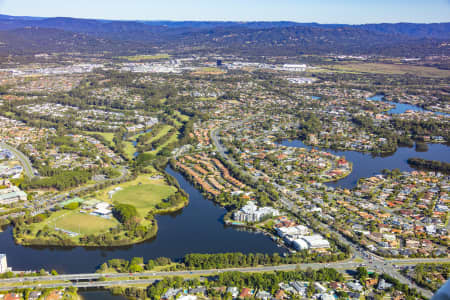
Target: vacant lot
[(392, 69)]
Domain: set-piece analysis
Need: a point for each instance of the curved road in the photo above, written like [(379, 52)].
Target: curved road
[(27, 167)]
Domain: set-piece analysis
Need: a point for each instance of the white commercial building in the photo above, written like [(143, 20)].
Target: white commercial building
[(294, 67), (102, 209), (300, 244), (3, 264), (294, 231), (315, 241)]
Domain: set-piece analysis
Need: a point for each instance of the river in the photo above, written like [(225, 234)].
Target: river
[(198, 228), (366, 165)]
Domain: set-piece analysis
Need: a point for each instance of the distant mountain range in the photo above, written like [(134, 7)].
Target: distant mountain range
[(28, 35)]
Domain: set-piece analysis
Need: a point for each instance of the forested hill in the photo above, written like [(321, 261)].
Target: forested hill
[(29, 35), (413, 30)]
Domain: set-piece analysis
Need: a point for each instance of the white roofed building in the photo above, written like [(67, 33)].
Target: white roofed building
[(252, 213), (3, 264)]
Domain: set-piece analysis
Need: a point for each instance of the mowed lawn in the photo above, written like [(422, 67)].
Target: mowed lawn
[(172, 139), (109, 136), (129, 149), (83, 223), (182, 117), (143, 196), (162, 132)]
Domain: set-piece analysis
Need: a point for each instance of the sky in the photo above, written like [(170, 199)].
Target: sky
[(321, 11)]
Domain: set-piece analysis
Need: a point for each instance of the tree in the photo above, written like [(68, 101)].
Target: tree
[(72, 206), (362, 274), (125, 212), (137, 261)]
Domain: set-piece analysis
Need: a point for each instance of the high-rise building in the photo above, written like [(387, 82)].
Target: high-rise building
[(3, 263)]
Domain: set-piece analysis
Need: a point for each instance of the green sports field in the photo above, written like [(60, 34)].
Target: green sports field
[(144, 196), (77, 222)]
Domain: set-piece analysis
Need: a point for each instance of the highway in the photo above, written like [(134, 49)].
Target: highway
[(93, 284), (92, 279), (95, 276), (26, 164)]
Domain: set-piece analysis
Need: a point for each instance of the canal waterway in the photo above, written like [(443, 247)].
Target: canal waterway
[(366, 165), (198, 228), (402, 107)]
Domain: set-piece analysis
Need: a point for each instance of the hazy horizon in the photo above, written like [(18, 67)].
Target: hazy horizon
[(324, 12), (212, 21)]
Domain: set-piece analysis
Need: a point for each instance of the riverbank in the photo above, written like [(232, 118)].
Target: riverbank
[(79, 227), (197, 228), (60, 239)]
